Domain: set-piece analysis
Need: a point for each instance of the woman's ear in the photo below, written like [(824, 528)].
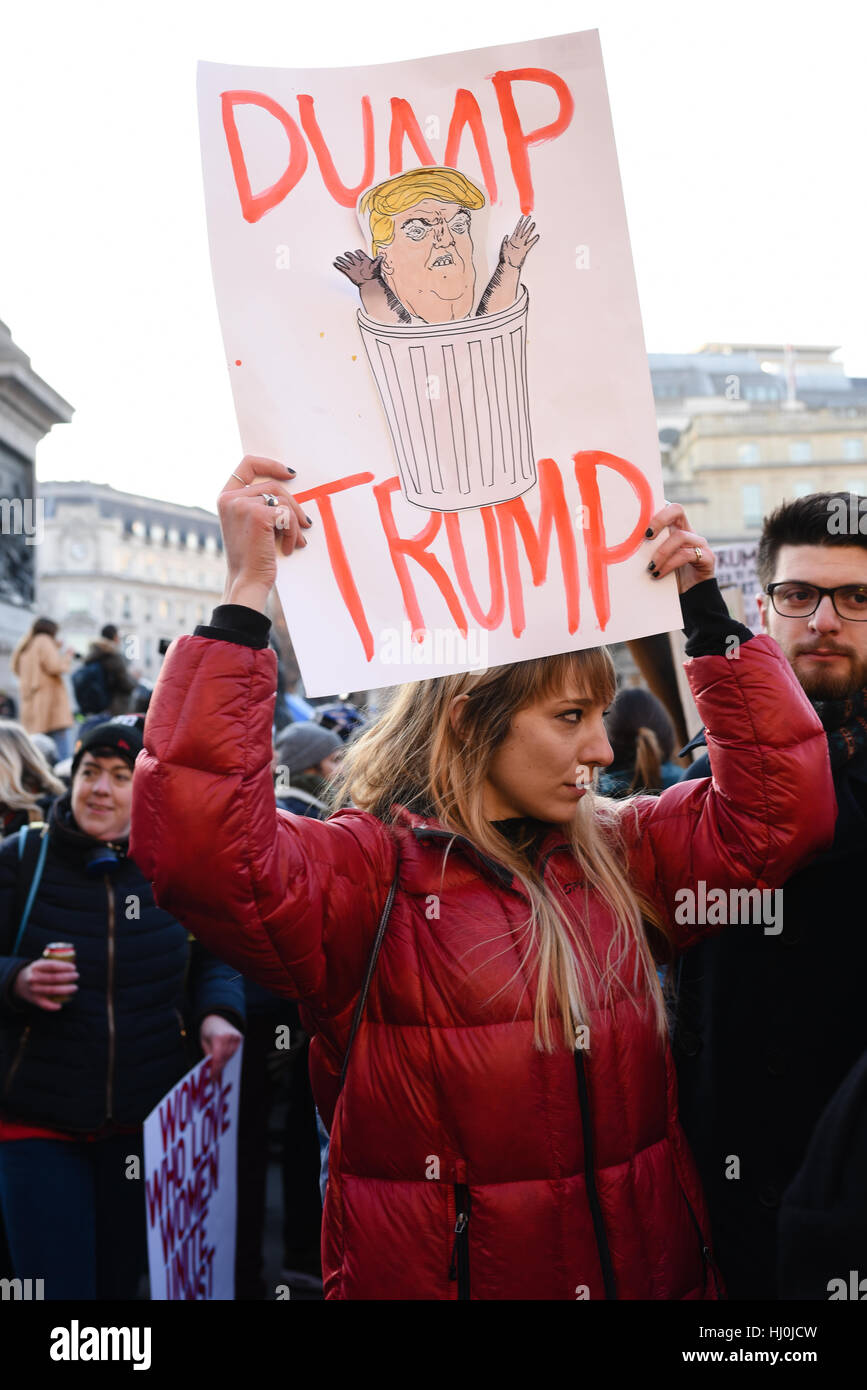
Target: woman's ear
[(456, 712)]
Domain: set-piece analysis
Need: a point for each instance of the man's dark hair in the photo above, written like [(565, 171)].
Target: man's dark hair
[(109, 632), (822, 518)]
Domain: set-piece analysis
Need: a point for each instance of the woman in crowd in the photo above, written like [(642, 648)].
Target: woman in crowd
[(641, 735), (508, 1127), (40, 664), (27, 784), (88, 1047)]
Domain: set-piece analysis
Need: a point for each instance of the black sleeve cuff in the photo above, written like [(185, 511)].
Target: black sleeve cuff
[(233, 622), (709, 627)]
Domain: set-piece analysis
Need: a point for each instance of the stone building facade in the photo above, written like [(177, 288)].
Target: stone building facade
[(29, 407), (152, 568)]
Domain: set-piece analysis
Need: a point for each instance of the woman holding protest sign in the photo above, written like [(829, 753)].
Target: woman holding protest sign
[(479, 928)]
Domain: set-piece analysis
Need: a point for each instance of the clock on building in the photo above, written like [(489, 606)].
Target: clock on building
[(78, 551)]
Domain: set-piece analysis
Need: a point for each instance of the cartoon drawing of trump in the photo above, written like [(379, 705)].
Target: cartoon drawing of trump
[(453, 382), (421, 237)]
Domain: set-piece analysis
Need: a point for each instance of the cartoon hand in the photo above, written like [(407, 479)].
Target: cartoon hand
[(515, 247), (358, 267)]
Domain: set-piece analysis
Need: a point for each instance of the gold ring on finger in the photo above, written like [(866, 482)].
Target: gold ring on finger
[(269, 499), (698, 554)]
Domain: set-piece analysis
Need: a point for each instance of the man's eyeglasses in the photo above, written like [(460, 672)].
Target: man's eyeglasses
[(791, 599)]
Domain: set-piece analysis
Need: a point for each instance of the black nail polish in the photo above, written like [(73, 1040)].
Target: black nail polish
[(308, 519), (651, 567), (291, 471), (657, 574), (648, 533)]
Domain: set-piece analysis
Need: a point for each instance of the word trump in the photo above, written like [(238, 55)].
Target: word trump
[(504, 525), (305, 134), (179, 1190), (716, 907)]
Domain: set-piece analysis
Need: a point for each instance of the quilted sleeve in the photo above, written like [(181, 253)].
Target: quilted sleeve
[(769, 806), (291, 902)]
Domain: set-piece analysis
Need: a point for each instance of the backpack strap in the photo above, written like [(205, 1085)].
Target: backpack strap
[(32, 850), (368, 974)]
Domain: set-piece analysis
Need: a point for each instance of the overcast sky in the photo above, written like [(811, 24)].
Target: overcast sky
[(740, 131)]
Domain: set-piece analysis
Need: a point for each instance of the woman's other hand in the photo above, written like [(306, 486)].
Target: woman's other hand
[(253, 529), (682, 551), (219, 1040), (46, 983)]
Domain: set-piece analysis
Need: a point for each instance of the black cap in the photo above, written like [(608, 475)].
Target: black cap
[(124, 736)]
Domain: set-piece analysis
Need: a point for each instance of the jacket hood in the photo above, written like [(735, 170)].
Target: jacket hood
[(71, 841)]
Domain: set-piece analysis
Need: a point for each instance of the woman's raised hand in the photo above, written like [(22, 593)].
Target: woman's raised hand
[(254, 530), (682, 550)]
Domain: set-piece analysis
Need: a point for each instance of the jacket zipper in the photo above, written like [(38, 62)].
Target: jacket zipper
[(110, 999), (16, 1062), (179, 1017), (708, 1262), (460, 1264), (599, 1230)]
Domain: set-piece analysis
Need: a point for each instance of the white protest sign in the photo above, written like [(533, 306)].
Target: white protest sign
[(736, 569), (190, 1153), (429, 310)]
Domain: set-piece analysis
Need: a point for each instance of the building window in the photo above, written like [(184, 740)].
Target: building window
[(211, 545), (163, 608), (174, 535), (800, 451), (752, 504), (127, 606), (853, 448), (200, 613), (158, 533), (192, 541), (749, 453), (139, 529)]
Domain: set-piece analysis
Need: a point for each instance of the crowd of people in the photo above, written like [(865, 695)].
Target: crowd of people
[(516, 1068)]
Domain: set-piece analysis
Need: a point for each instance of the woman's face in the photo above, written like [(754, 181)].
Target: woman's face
[(543, 766)]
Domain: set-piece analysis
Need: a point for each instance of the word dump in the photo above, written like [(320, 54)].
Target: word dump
[(508, 529), (182, 1185), (305, 135)]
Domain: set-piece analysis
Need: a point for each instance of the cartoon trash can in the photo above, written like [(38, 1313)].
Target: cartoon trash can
[(456, 400)]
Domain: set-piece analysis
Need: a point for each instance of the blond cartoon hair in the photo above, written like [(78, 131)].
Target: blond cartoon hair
[(382, 203)]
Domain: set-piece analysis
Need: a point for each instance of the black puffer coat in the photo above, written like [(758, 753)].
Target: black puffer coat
[(110, 1054)]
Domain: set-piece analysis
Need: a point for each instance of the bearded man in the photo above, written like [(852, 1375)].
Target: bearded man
[(770, 1021)]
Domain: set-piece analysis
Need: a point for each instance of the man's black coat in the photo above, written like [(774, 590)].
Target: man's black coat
[(767, 1028)]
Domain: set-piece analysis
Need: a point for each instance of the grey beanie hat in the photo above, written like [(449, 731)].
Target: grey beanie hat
[(304, 745)]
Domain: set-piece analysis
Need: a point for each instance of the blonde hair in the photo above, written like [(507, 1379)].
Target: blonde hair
[(382, 203), (413, 757), (24, 774), (648, 761)]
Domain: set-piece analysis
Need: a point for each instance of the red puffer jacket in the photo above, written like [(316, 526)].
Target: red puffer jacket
[(464, 1162)]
